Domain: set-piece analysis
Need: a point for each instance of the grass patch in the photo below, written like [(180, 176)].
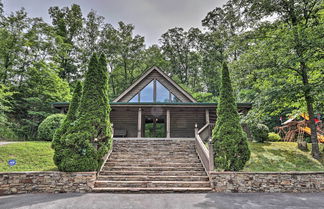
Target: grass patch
[(281, 156), (30, 156)]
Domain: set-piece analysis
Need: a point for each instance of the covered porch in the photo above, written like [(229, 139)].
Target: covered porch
[(161, 120)]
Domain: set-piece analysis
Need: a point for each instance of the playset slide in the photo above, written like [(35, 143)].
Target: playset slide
[(308, 130)]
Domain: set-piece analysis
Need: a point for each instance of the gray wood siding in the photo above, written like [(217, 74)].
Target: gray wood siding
[(183, 121), (154, 75), (124, 118)]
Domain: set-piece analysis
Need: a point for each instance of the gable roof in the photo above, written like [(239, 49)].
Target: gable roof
[(148, 72)]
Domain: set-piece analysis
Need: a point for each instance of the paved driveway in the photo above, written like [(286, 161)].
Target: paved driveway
[(164, 201)]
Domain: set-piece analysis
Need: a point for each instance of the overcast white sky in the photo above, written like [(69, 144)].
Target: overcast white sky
[(151, 18)]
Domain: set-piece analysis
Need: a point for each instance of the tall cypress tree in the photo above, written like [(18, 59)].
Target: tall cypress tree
[(88, 139), (230, 142), (72, 114)]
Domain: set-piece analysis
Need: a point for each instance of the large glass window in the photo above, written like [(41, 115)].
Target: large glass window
[(162, 94), (154, 92), (146, 94), (134, 99), (174, 99)]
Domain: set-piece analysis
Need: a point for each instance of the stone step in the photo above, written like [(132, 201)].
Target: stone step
[(145, 190), (190, 151), (152, 164), (122, 168), (148, 145), (152, 184), (185, 141), (152, 173), (158, 155), (152, 178), (154, 157), (152, 160), (157, 145)]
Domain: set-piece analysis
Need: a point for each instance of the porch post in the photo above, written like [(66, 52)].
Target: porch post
[(168, 135), (139, 123), (207, 116)]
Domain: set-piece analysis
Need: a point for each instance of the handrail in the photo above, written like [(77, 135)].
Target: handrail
[(205, 154), (203, 128)]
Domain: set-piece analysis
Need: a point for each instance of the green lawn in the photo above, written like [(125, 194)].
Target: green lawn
[(281, 156), (30, 156), (274, 156)]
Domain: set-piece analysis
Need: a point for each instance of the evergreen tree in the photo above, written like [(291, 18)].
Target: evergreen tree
[(71, 116), (230, 143), (88, 139)]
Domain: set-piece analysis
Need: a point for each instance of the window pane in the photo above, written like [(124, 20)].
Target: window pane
[(174, 99), (147, 93), (134, 99), (162, 94)]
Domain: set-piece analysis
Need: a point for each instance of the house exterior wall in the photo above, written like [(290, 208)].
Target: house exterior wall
[(147, 80), (182, 120), (125, 118)]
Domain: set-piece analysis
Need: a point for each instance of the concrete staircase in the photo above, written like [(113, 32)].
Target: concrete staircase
[(151, 165)]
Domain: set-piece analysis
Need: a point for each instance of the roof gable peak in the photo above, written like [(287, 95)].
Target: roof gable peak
[(145, 79)]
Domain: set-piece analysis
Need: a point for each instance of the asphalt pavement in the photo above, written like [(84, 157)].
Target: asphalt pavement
[(164, 201)]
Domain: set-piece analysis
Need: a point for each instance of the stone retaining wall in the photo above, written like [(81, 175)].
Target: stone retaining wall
[(51, 182), (267, 181)]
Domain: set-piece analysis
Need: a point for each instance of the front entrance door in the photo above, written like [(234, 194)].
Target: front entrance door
[(154, 126)]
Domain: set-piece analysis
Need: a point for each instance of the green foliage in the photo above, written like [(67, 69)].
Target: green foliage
[(274, 137), (5, 130), (259, 132), (204, 97), (48, 127), (89, 137), (58, 143), (33, 97), (230, 142)]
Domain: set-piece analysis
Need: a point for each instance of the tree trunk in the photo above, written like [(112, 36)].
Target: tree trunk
[(309, 102)]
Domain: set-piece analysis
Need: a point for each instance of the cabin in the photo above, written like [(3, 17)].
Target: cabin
[(155, 106)]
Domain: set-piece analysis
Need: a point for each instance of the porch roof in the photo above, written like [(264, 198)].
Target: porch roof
[(165, 104)]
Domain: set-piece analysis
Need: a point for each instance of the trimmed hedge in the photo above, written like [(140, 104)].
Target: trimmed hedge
[(274, 137), (48, 127)]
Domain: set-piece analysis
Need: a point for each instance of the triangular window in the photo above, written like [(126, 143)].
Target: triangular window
[(162, 93), (155, 92), (134, 99)]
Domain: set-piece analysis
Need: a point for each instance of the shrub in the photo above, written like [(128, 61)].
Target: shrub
[(48, 127), (229, 140), (273, 137), (89, 137), (58, 144), (260, 132)]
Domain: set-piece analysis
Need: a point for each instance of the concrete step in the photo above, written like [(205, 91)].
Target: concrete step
[(149, 190), (123, 168), (152, 178), (152, 184), (152, 173)]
